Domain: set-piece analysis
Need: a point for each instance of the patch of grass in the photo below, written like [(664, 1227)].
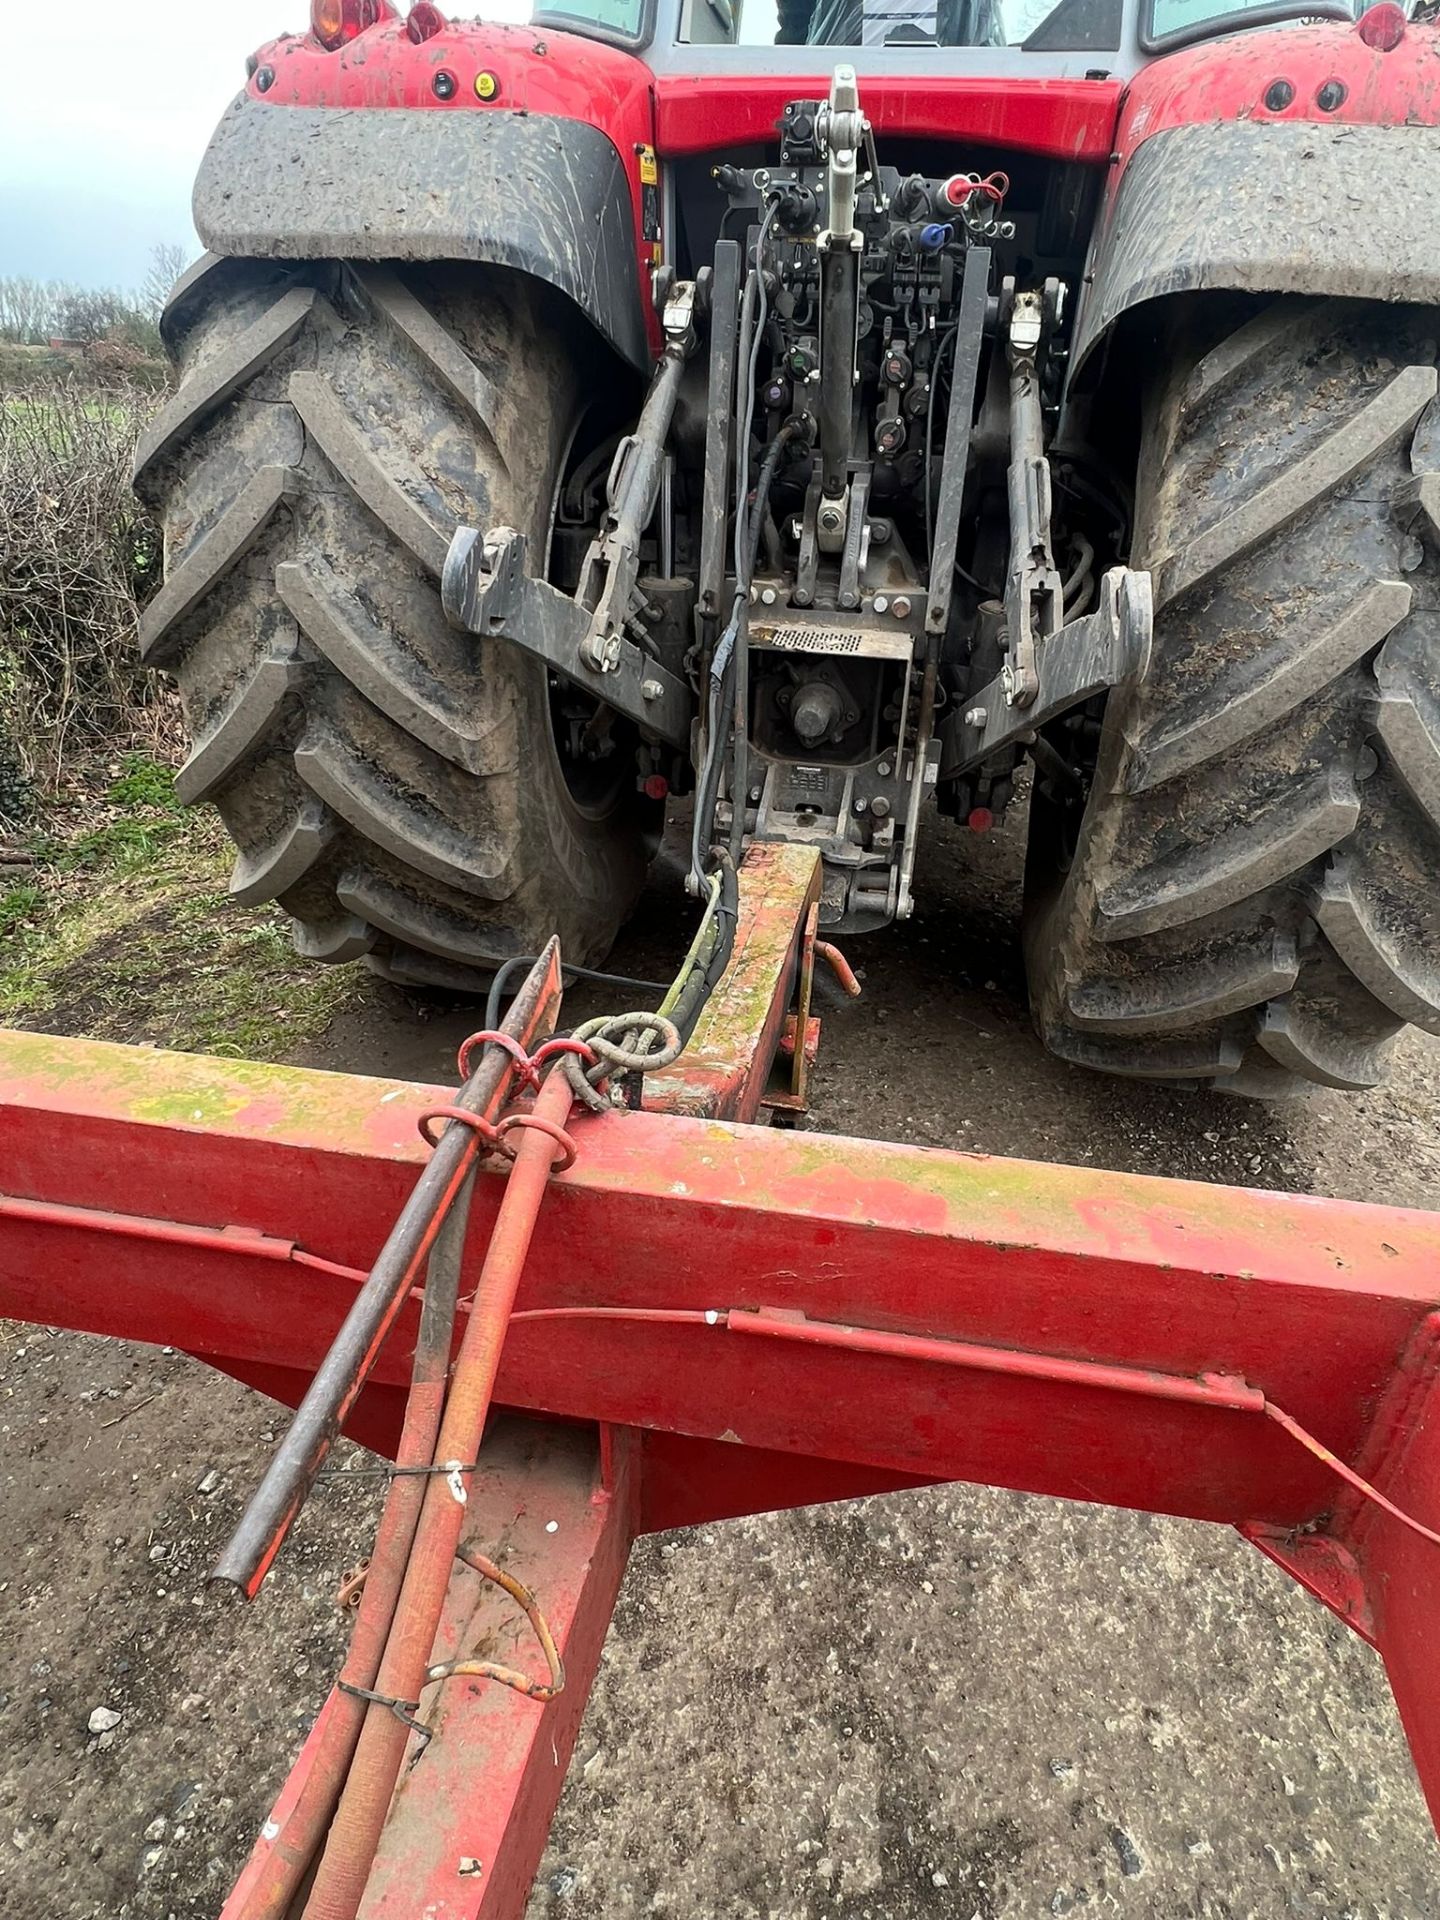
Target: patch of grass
[(125, 931), (18, 904), (126, 845), (145, 782)]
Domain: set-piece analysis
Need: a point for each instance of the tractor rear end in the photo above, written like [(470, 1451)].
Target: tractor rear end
[(582, 417), (573, 426)]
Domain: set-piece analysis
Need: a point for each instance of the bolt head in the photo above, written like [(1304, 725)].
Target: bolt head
[(976, 717), (767, 596), (861, 805), (651, 690), (881, 603), (900, 606), (883, 769)]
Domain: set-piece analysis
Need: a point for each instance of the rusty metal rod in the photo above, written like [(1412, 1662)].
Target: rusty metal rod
[(355, 1834), (1203, 1390), (841, 968), (283, 1857), (267, 1519), (1200, 1390), (249, 1243)]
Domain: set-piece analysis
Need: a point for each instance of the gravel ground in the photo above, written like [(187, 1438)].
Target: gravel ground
[(948, 1703)]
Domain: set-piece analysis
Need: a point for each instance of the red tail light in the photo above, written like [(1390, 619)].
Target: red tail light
[(1382, 26), (334, 22), (425, 22)]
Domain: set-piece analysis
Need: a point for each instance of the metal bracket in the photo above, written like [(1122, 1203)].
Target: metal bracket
[(1033, 597), (486, 590), (1089, 656), (852, 552), (969, 338), (842, 132)]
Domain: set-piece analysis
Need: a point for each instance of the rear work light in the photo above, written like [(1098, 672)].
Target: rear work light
[(1382, 26), (425, 22), (334, 22)]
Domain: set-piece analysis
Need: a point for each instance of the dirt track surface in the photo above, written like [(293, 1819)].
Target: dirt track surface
[(943, 1704)]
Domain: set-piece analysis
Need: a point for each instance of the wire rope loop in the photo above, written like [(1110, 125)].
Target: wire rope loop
[(492, 1036), (477, 1123), (621, 1043), (558, 1049), (561, 1138)]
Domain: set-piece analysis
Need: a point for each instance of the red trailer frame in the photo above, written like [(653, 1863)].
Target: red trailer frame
[(716, 1319)]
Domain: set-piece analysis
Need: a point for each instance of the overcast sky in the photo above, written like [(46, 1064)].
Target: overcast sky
[(107, 109), (108, 106)]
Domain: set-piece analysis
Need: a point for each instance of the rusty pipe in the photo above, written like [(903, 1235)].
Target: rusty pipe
[(839, 966), (330, 1396), (281, 1860), (355, 1835)]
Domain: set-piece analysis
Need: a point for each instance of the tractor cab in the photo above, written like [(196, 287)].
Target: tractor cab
[(906, 35)]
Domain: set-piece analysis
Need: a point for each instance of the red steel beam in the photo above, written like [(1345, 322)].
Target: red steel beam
[(833, 1316), (1311, 1301), (470, 1818), (472, 1814), (723, 1071)]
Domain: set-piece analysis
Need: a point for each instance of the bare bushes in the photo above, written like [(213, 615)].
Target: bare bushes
[(78, 556)]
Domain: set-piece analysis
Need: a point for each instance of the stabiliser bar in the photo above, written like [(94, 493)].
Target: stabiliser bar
[(665, 1317)]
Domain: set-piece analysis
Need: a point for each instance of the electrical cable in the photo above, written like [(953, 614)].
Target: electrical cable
[(692, 957), (504, 972), (744, 548), (754, 308), (687, 1001)]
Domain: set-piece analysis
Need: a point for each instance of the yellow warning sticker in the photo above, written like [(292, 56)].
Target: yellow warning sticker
[(649, 167)]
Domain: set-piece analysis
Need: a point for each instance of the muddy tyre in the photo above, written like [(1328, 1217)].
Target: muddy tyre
[(1251, 897), (396, 786)]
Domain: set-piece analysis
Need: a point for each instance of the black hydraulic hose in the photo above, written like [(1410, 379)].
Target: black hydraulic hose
[(707, 791), (792, 430), (568, 972)]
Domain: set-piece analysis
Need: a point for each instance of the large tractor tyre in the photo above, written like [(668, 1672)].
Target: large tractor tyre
[(1251, 896), (398, 787)]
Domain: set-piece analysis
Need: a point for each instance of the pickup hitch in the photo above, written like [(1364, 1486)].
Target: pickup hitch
[(1070, 666), (488, 591)]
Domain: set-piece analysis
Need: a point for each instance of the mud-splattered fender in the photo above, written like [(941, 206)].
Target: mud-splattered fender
[(1299, 160), (543, 195)]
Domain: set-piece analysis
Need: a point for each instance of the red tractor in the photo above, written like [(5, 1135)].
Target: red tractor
[(823, 413)]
